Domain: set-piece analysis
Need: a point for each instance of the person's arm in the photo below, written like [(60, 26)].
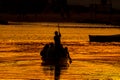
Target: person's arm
[(59, 34), (70, 60)]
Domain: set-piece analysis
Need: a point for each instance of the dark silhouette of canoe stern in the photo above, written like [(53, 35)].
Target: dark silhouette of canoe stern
[(104, 38)]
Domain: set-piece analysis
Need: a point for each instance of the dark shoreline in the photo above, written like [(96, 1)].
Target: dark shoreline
[(113, 19)]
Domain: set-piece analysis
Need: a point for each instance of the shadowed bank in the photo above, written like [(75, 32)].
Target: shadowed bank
[(97, 11)]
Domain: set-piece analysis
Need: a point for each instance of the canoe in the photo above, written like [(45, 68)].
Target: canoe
[(104, 38), (50, 56)]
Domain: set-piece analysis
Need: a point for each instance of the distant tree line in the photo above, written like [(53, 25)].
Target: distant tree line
[(39, 6), (22, 6)]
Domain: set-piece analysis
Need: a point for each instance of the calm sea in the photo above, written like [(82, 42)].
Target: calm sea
[(21, 44)]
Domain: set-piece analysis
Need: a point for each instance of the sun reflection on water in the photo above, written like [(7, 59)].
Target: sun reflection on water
[(21, 45)]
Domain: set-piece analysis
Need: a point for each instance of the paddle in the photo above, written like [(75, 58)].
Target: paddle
[(58, 28)]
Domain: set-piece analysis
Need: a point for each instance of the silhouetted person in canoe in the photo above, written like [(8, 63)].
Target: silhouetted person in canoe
[(51, 52), (43, 53), (67, 54), (57, 40), (56, 55), (58, 45)]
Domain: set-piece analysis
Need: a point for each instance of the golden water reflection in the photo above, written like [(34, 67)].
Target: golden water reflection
[(20, 46), (90, 61)]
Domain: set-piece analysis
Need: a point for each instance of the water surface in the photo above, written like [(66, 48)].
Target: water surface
[(21, 44)]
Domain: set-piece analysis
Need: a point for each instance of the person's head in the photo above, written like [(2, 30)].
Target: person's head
[(56, 32)]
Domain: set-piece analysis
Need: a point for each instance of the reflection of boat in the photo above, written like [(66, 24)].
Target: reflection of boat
[(104, 38), (50, 56), (55, 58), (62, 62)]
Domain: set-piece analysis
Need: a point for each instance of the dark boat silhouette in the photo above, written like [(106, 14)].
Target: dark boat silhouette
[(55, 59), (50, 56), (104, 38)]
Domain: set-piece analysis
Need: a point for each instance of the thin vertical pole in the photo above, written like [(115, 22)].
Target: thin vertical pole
[(58, 28)]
